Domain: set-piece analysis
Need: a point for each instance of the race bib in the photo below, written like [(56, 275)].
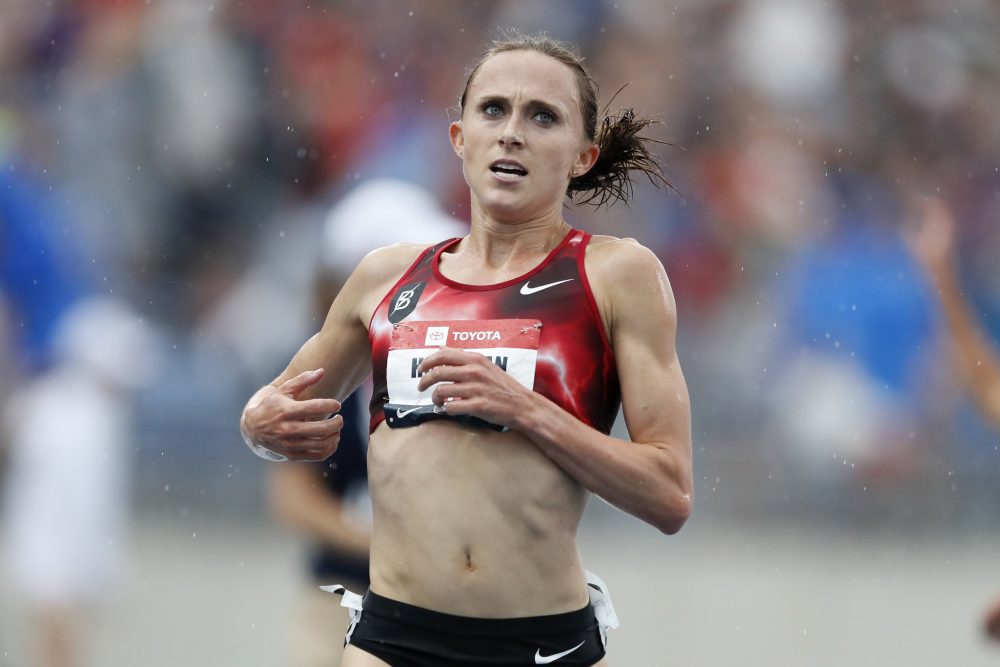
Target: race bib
[(510, 344)]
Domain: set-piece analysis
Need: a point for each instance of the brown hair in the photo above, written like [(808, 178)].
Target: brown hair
[(622, 149)]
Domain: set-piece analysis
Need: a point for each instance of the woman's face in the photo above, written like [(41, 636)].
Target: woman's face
[(521, 135)]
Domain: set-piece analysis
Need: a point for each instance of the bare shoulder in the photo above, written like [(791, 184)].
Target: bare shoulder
[(388, 262), (375, 275), (629, 285), (621, 261)]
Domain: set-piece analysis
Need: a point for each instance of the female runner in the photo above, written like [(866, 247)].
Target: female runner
[(499, 362)]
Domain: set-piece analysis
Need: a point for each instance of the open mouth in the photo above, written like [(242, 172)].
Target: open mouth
[(508, 168)]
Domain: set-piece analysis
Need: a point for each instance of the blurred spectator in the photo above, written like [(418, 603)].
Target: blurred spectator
[(65, 493), (849, 393), (328, 502), (38, 276), (976, 361)]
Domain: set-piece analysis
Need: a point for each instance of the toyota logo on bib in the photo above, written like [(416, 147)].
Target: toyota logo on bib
[(436, 336), (404, 301)]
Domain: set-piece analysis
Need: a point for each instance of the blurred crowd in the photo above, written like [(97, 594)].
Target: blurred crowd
[(179, 158)]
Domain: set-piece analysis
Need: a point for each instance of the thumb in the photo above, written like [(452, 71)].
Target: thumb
[(296, 385)]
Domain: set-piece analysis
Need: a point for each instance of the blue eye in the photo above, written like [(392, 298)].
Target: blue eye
[(545, 117), (492, 109)]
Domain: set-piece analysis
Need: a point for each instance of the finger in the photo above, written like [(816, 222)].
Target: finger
[(445, 375), (309, 449), (446, 357), (312, 409), (436, 375), (451, 391), (315, 430), (301, 382), (455, 405), (319, 451)]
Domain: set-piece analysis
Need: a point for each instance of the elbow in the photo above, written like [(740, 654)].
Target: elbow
[(674, 513), (675, 499)]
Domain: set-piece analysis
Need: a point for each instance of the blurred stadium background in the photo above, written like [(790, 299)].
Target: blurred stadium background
[(181, 156)]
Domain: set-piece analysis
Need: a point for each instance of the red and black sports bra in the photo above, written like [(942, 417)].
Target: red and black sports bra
[(542, 327)]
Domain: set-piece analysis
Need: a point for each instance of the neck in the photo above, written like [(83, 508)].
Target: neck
[(498, 243)]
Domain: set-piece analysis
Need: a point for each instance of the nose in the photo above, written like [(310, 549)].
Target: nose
[(511, 134)]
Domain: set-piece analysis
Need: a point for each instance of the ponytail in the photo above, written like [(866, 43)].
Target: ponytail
[(623, 151)]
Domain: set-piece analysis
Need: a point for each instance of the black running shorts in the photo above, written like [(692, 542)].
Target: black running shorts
[(407, 636)]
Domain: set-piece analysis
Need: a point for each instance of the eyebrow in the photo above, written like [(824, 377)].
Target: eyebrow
[(530, 103)]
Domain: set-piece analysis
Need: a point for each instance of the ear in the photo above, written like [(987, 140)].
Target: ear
[(585, 159), (457, 138)]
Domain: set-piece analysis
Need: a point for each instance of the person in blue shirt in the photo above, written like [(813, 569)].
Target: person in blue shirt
[(38, 279)]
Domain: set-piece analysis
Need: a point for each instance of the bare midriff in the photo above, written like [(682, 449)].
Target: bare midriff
[(473, 522)]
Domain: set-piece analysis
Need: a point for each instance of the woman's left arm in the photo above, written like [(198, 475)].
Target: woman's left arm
[(649, 477)]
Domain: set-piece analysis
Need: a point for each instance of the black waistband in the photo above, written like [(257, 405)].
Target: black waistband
[(537, 626)]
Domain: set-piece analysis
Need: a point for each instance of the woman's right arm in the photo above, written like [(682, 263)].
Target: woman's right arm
[(288, 418)]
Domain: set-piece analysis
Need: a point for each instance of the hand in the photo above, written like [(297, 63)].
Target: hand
[(295, 429), (932, 240), (468, 383)]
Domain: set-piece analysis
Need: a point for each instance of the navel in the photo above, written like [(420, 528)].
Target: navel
[(469, 565)]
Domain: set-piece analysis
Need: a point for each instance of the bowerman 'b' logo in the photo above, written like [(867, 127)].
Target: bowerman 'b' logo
[(404, 301)]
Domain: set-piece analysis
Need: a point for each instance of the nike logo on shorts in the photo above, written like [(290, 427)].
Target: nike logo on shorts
[(400, 412), (527, 289), (548, 659)]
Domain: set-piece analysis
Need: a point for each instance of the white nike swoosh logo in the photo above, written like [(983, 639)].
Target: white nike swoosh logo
[(546, 659), (400, 413), (527, 289)]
